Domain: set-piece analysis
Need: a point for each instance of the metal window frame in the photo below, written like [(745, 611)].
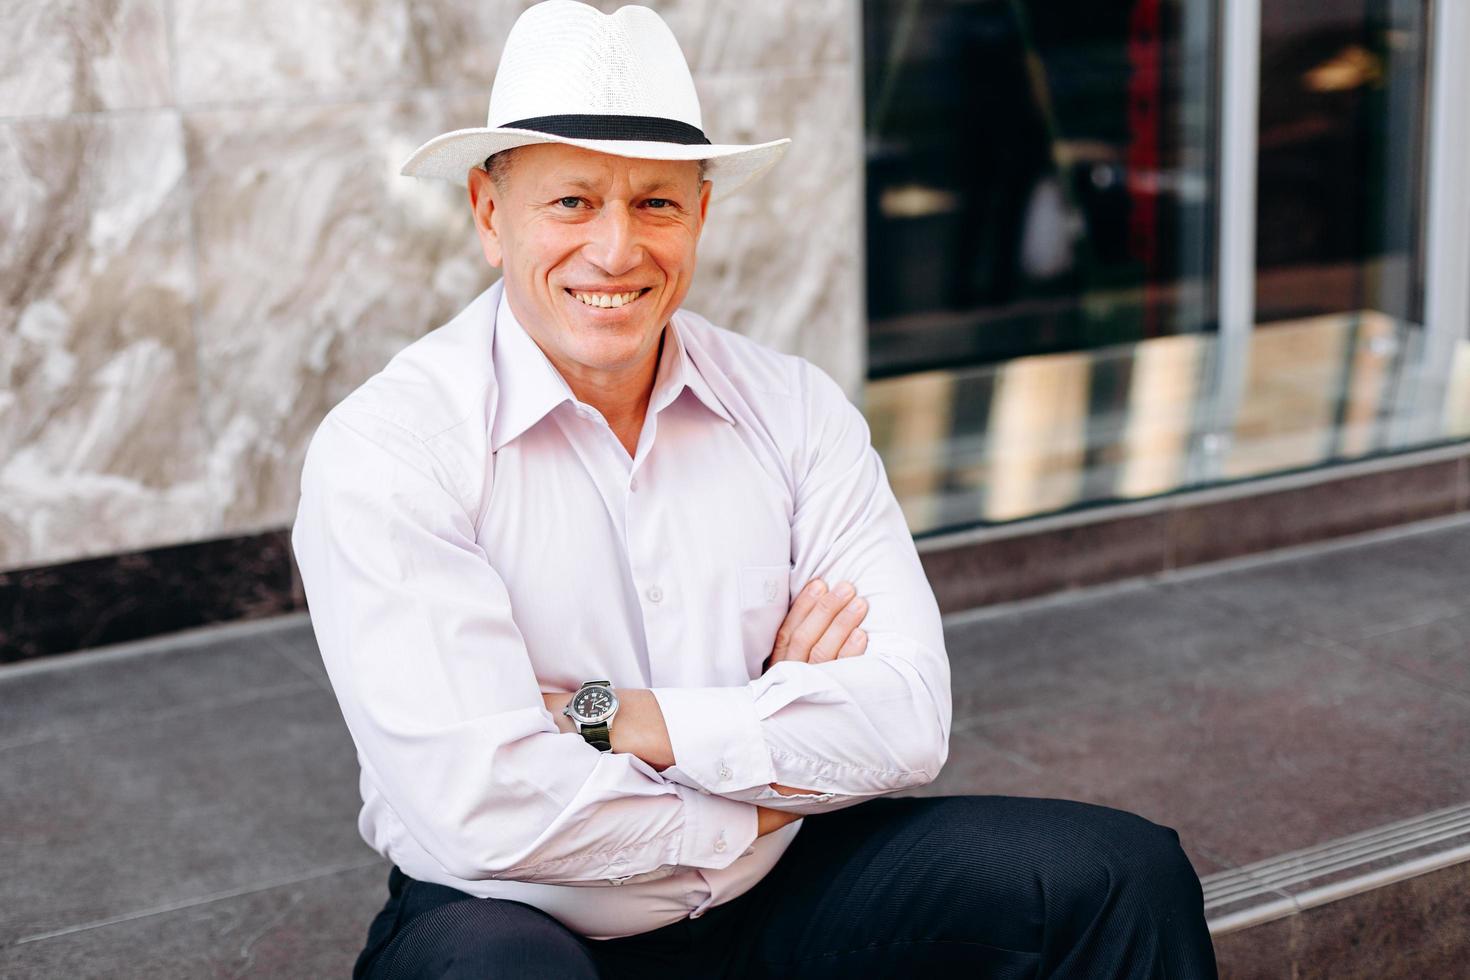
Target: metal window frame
[(1447, 216), (1240, 88), (1446, 225)]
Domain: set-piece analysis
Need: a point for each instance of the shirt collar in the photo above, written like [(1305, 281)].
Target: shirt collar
[(531, 387)]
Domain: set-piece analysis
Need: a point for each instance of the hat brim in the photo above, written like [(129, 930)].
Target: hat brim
[(449, 156)]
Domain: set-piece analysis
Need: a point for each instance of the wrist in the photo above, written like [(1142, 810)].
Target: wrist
[(640, 729)]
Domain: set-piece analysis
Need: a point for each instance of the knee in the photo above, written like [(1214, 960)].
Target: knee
[(1145, 863)]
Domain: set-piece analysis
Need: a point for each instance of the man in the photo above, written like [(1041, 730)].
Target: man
[(549, 552)]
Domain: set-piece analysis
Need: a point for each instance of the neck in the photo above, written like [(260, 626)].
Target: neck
[(623, 399)]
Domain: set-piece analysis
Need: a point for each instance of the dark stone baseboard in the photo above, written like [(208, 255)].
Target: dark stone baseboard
[(1026, 559), (79, 605), (82, 604)]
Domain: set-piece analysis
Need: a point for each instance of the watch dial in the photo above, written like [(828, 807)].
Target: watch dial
[(593, 704)]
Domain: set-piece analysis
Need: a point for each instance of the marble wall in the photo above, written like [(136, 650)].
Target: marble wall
[(204, 242)]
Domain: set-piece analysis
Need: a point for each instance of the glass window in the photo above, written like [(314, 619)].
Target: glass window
[(1039, 176), (1041, 228), (1339, 234), (1042, 224), (1341, 159)]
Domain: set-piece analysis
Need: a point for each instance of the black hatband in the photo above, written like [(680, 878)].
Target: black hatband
[(578, 126)]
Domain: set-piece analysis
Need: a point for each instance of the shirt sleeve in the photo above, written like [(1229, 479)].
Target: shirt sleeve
[(435, 684), (852, 728)]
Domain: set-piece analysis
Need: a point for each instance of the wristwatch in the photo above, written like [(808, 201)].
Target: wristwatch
[(593, 708)]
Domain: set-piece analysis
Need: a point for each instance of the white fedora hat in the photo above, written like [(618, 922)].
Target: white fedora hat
[(615, 83)]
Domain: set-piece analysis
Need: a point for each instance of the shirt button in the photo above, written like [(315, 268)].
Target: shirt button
[(720, 846), (655, 594), (633, 483), (724, 772)]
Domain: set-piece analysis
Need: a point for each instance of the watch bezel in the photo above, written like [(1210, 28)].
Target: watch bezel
[(577, 716)]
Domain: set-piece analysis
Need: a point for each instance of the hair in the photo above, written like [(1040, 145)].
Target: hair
[(497, 165)]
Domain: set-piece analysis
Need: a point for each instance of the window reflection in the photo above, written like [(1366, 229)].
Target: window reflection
[(1041, 262), (1457, 402), (1035, 435), (1038, 176), (1341, 166)]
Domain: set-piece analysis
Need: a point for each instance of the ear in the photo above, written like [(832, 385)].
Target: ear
[(704, 192), (484, 199)]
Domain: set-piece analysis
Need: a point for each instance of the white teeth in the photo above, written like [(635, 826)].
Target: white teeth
[(607, 301)]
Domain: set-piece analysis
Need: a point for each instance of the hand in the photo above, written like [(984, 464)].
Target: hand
[(821, 626)]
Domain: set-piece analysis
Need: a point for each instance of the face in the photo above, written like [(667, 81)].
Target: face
[(597, 252)]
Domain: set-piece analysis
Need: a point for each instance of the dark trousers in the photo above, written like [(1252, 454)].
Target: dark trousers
[(981, 886)]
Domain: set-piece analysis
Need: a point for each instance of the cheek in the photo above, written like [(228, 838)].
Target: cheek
[(675, 256), (543, 250)]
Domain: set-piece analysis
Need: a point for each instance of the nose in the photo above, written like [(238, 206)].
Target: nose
[(613, 244)]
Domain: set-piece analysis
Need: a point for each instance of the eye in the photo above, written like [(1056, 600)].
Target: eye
[(660, 202), (570, 202)]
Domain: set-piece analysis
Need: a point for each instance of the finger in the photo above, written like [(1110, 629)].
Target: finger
[(836, 634), (805, 601), (857, 642), (810, 630)]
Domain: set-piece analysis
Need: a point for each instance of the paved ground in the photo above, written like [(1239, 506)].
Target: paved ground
[(187, 809)]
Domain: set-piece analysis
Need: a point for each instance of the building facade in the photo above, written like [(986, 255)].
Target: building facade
[(1119, 285)]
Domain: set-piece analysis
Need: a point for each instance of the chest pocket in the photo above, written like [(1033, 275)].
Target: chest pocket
[(765, 597)]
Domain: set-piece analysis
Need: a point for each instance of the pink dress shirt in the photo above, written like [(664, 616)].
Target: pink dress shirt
[(470, 535)]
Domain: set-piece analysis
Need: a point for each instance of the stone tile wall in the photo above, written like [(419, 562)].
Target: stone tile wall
[(204, 242)]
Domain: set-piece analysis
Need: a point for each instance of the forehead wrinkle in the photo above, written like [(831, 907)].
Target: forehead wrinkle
[(645, 186)]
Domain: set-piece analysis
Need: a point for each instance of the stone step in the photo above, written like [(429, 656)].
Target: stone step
[(1393, 901)]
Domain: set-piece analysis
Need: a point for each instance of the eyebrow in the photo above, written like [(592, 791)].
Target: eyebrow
[(648, 188)]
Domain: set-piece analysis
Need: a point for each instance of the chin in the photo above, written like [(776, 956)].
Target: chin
[(602, 347)]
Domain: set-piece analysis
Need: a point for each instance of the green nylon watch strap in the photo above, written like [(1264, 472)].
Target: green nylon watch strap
[(597, 736)]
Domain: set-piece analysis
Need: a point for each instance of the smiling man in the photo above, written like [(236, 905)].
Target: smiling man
[(568, 560)]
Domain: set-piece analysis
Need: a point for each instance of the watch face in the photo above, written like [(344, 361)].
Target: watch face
[(593, 704)]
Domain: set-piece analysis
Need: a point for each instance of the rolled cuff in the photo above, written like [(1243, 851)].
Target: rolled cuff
[(716, 737), (717, 831)]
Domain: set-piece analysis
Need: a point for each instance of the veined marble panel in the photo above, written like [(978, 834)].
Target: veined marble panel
[(317, 263), (244, 50), (247, 50), (781, 260), (750, 35), (82, 55), (141, 408), (100, 446)]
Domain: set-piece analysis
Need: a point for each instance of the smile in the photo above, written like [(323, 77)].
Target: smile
[(605, 301)]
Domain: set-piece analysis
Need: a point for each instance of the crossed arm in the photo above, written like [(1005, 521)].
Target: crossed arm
[(820, 626), (457, 739)]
